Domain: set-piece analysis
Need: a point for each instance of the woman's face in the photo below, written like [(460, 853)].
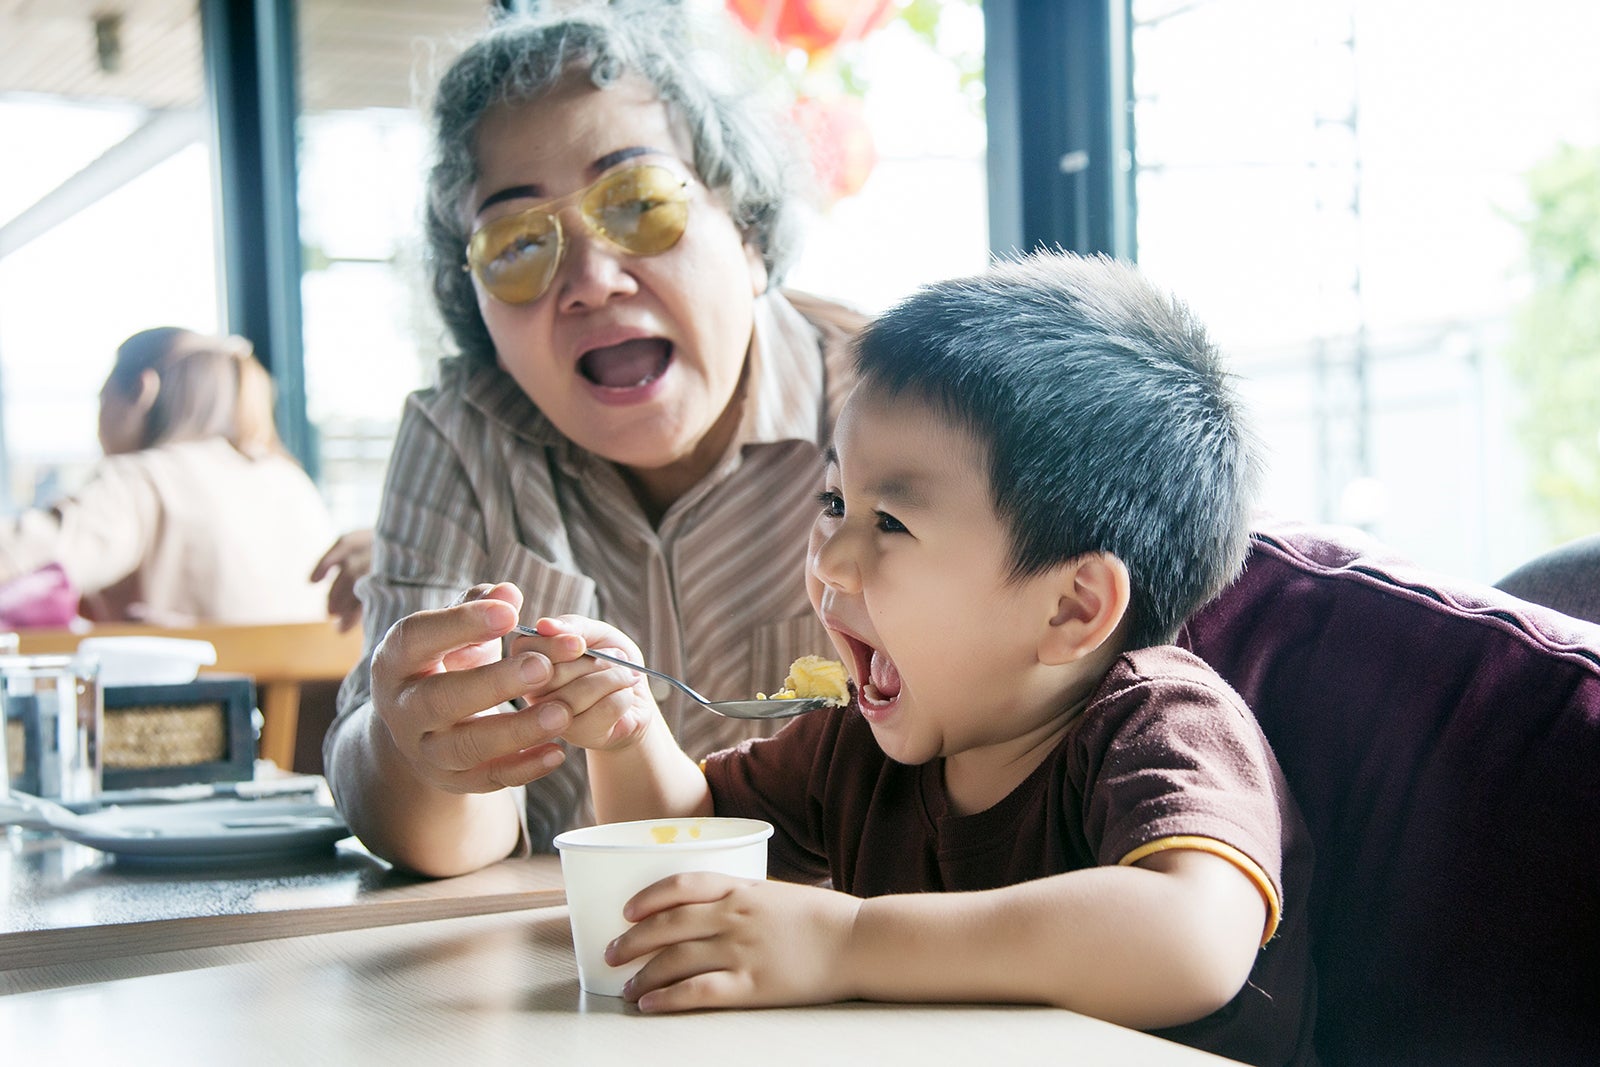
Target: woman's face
[(635, 358)]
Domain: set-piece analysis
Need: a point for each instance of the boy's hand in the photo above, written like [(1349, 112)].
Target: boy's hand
[(605, 707), (724, 942)]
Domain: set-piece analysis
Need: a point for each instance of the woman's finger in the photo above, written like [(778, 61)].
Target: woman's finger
[(418, 644), (439, 700)]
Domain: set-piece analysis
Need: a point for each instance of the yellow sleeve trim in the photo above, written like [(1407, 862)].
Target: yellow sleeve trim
[(1247, 866)]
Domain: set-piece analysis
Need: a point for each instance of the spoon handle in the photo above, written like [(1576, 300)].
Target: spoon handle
[(33, 813), (681, 685)]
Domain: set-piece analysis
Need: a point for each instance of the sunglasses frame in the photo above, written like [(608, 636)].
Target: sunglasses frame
[(476, 265)]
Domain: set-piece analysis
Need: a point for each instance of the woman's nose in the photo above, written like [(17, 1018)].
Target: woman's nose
[(592, 271)]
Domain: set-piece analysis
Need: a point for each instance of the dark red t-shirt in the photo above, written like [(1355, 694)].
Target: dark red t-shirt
[(1164, 749)]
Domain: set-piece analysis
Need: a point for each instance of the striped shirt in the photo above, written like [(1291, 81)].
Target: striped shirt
[(482, 488)]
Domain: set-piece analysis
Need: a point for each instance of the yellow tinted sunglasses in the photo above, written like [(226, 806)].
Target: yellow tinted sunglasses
[(642, 210)]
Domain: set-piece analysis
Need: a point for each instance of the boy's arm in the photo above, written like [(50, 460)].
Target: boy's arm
[(1163, 942), (651, 778), (636, 769)]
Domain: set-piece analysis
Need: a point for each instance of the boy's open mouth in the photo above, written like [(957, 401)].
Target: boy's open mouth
[(627, 365), (880, 684)]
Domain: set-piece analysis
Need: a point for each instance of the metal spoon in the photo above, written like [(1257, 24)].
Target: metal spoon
[(37, 813), (728, 709)]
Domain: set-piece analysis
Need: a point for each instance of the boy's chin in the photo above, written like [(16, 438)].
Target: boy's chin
[(888, 721)]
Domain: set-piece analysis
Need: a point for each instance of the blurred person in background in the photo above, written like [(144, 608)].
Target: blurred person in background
[(197, 512), (345, 562)]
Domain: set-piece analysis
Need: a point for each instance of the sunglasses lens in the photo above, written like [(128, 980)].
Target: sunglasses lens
[(642, 209), (515, 257)]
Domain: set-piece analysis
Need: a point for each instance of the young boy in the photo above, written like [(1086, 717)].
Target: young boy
[(1033, 796)]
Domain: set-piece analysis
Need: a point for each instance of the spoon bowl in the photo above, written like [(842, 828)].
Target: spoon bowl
[(728, 709)]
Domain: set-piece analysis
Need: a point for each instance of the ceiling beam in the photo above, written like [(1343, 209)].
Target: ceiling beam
[(161, 136)]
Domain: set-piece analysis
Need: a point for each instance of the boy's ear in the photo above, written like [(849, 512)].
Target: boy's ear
[(1094, 597)]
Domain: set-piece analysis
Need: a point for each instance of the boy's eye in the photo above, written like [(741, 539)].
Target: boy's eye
[(832, 504), (887, 523)]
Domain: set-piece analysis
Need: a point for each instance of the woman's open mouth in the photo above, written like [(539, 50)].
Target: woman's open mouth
[(629, 365)]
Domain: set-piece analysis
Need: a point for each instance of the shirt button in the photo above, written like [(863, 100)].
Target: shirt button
[(660, 690)]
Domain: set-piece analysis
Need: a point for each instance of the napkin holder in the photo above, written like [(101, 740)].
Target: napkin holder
[(175, 734)]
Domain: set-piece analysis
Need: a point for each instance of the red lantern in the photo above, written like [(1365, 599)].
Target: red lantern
[(812, 25), (842, 151)]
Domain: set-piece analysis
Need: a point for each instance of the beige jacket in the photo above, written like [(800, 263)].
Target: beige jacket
[(185, 532)]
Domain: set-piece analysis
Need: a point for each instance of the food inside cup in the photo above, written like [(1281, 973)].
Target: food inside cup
[(814, 677)]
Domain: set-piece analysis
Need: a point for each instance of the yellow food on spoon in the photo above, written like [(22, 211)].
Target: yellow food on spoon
[(813, 676)]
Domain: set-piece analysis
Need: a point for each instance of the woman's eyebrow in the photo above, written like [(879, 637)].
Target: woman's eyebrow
[(599, 166), (515, 192), (611, 159)]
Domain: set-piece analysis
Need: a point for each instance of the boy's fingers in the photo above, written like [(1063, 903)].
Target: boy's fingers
[(667, 932), (696, 887), (710, 989)]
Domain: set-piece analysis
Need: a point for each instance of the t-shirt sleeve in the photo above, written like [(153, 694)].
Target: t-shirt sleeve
[(1174, 759)]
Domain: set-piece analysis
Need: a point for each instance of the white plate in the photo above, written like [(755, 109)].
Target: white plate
[(211, 829)]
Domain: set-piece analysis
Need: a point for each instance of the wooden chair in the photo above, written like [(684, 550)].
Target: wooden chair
[(280, 657)]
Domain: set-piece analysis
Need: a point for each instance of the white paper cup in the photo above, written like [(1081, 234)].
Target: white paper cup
[(603, 866)]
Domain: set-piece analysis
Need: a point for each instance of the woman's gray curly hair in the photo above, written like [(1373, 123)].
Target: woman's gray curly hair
[(737, 152)]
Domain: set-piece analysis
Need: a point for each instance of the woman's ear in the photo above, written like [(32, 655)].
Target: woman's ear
[(1094, 597), (149, 389), (759, 278)]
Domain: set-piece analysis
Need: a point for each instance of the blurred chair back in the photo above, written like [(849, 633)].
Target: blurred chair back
[(1443, 741), (1566, 578), (281, 657)]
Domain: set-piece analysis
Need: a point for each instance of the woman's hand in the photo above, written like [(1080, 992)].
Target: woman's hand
[(349, 559), (439, 685), (724, 942)]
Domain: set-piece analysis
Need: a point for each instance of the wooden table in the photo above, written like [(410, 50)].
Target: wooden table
[(62, 903), (486, 990)]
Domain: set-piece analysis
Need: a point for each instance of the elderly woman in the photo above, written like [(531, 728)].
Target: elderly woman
[(633, 431), (196, 513)]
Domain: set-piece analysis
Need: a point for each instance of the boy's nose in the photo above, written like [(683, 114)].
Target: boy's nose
[(831, 561)]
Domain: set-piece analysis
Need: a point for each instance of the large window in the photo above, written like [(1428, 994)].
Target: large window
[(370, 334), (1340, 189), (106, 218)]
